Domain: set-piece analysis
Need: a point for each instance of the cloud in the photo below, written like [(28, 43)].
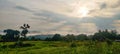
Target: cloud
[(6, 4), (104, 5), (56, 16), (64, 29), (113, 3), (104, 8), (88, 28), (23, 8), (117, 25)]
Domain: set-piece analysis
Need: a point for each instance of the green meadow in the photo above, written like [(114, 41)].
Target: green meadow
[(61, 47)]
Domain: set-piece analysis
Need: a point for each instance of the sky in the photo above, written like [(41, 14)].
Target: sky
[(60, 16)]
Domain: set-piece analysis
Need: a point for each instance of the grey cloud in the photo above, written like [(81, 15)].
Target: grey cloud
[(55, 17), (116, 5), (103, 5), (23, 8), (6, 4), (104, 23), (101, 22), (47, 20), (117, 16), (51, 16)]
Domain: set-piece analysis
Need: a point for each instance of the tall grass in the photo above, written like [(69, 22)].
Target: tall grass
[(59, 47)]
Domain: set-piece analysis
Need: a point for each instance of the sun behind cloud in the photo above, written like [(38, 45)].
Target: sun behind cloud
[(82, 12)]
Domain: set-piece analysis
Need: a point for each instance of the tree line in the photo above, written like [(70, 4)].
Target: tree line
[(98, 36), (14, 35)]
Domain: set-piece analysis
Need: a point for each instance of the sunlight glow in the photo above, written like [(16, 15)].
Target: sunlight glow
[(82, 11)]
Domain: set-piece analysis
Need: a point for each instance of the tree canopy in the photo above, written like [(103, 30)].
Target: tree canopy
[(11, 35)]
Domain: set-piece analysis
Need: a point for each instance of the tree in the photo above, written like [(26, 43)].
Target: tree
[(57, 37), (48, 39), (118, 37), (104, 35), (11, 35), (1, 37), (69, 37), (33, 38), (25, 30), (82, 37)]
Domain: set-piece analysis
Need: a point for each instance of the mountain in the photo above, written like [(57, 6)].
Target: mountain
[(42, 37)]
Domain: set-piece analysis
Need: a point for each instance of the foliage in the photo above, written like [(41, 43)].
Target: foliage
[(103, 35), (60, 47), (14, 35), (25, 29), (1, 37), (109, 42), (82, 37), (18, 43), (56, 37), (73, 44), (69, 38), (48, 39), (11, 35)]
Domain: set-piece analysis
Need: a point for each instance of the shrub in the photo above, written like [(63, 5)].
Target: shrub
[(109, 42), (73, 44), (19, 43)]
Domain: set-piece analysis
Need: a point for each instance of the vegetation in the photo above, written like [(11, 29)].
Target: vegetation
[(60, 47), (11, 35), (56, 37), (25, 30), (102, 42)]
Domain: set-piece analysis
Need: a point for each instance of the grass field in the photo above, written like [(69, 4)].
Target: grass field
[(59, 47)]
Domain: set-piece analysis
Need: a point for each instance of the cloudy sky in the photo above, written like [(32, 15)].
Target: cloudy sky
[(60, 16)]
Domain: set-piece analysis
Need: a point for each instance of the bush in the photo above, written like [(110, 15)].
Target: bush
[(109, 42), (73, 44), (19, 43)]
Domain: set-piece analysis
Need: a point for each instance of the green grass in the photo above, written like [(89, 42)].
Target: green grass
[(59, 47)]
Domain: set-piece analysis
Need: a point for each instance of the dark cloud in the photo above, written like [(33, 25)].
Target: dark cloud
[(103, 6), (55, 17), (104, 23), (23, 8)]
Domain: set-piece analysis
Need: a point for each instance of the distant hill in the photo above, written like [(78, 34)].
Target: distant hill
[(42, 37)]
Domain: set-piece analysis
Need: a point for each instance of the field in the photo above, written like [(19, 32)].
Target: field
[(59, 47)]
